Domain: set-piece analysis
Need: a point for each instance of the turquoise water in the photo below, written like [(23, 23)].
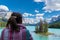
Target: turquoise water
[(1, 30), (42, 37)]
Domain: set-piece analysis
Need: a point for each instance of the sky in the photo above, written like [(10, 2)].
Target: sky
[(34, 9)]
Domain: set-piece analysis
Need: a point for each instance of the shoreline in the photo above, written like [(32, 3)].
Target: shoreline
[(46, 34)]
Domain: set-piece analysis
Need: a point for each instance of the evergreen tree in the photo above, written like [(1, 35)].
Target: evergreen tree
[(41, 26), (45, 26)]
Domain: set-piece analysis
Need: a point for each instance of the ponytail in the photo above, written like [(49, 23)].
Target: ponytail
[(13, 24), (16, 18)]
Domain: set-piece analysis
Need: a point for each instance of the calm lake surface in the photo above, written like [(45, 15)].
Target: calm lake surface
[(42, 37)]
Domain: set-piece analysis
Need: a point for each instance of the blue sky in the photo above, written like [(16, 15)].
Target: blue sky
[(33, 7)]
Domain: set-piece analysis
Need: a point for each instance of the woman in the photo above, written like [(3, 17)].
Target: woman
[(15, 30)]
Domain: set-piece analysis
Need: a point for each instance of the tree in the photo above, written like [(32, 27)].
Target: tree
[(41, 26), (45, 26), (37, 29)]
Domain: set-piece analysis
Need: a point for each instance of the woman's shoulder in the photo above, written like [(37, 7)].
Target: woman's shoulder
[(22, 26), (25, 30)]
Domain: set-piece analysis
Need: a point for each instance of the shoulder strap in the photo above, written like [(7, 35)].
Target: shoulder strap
[(23, 34), (10, 35), (2, 35)]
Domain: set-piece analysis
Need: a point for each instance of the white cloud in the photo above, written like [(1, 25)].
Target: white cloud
[(32, 20), (48, 20), (52, 5), (36, 11), (3, 7), (48, 11), (27, 14), (40, 15), (31, 15), (29, 21), (37, 0), (3, 10), (38, 18)]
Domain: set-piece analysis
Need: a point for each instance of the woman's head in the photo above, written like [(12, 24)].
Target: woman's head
[(16, 18)]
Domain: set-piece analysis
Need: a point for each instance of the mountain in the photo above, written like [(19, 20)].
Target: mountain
[(56, 23), (55, 19), (29, 24)]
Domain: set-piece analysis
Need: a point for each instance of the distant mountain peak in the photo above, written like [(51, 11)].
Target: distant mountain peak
[(55, 19)]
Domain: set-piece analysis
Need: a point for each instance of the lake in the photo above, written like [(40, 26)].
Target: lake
[(42, 37)]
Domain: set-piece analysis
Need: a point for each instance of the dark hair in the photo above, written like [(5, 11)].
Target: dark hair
[(16, 18)]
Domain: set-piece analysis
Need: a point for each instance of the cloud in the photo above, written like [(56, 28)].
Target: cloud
[(40, 15), (32, 20), (29, 21), (37, 0), (27, 14), (52, 5), (3, 10), (38, 18), (3, 7), (48, 20), (31, 15), (36, 11)]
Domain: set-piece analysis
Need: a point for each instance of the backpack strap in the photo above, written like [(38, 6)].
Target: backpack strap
[(10, 35), (2, 35), (23, 34)]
